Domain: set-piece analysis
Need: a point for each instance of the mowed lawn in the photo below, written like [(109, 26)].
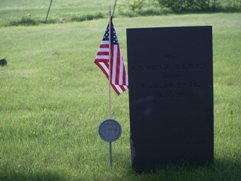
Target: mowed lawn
[(61, 11), (53, 98)]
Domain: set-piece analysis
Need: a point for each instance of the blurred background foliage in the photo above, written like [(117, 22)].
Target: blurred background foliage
[(159, 7)]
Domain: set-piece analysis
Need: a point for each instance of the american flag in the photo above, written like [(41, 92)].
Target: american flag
[(116, 69)]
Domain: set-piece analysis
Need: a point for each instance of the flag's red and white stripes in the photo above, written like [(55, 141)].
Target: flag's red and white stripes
[(116, 69)]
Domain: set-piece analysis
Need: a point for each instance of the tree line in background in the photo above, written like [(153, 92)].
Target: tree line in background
[(155, 7)]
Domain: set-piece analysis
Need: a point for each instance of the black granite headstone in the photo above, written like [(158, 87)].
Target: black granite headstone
[(170, 95)]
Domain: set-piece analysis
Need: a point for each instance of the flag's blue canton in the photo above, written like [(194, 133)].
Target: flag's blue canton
[(114, 39)]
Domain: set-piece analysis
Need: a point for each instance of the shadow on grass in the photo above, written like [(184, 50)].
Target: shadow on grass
[(225, 169), (21, 176), (29, 21), (220, 170)]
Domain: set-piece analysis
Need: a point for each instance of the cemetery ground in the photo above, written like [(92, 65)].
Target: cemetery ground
[(17, 12), (53, 98)]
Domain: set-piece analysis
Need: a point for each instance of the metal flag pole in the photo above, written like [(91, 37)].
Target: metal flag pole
[(110, 146), (110, 55), (110, 96), (46, 19), (111, 14), (114, 8)]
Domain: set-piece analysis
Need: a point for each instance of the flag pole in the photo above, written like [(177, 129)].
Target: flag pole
[(46, 19), (113, 14), (110, 96), (110, 55)]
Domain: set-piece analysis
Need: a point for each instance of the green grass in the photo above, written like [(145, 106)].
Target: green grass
[(53, 98), (12, 11)]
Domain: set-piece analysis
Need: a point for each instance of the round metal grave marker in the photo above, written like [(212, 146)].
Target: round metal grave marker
[(110, 130)]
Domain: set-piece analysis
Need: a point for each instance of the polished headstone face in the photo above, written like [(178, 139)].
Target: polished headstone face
[(170, 95)]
